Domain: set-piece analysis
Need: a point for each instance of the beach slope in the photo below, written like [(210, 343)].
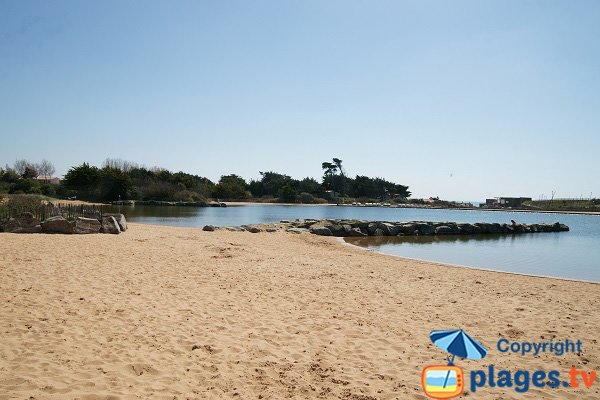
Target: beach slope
[(179, 313)]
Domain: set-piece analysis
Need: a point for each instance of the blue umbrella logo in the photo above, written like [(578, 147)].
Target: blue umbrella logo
[(458, 343)]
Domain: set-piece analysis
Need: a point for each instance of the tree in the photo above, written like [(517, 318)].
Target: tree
[(81, 176), (329, 168), (9, 175), (23, 167), (334, 177), (287, 194), (30, 172), (46, 169), (232, 187), (121, 165), (114, 184)]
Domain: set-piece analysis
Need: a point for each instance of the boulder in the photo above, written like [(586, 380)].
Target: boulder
[(110, 225), (320, 230), (353, 232), (24, 223), (26, 220), (426, 229), (31, 229), (388, 228), (57, 224), (336, 230), (208, 228), (444, 230), (469, 228), (371, 227), (11, 225), (495, 228), (484, 227), (407, 229), (297, 230), (534, 228), (120, 218), (86, 225), (252, 229), (378, 232)]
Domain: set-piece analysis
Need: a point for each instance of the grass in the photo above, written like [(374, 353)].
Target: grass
[(564, 205)]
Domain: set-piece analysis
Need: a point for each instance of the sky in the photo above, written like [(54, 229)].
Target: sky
[(458, 99)]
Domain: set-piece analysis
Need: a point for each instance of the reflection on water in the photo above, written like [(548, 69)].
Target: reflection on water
[(546, 254), (378, 241), (574, 254)]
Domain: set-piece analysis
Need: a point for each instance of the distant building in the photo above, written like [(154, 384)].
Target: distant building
[(49, 179), (505, 202)]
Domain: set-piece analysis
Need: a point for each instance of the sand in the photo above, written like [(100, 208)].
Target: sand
[(179, 313)]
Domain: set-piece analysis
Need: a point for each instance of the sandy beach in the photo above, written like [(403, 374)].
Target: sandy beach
[(179, 313)]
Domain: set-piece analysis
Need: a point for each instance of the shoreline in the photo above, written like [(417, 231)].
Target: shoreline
[(250, 203), (450, 265)]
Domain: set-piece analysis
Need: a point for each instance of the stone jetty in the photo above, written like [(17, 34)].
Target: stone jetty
[(27, 223), (355, 228)]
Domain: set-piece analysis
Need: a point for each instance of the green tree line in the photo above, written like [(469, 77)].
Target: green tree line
[(122, 180)]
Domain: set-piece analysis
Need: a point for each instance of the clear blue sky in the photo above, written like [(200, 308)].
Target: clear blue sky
[(459, 99)]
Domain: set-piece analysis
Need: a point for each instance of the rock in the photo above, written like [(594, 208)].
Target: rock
[(57, 225), (24, 223), (563, 228), (388, 228), (534, 228), (110, 225), (469, 228), (86, 225), (271, 230), (407, 229), (336, 230), (484, 227), (252, 229), (284, 221), (11, 225), (26, 220), (297, 230), (208, 228), (495, 228), (120, 218), (31, 229), (356, 232), (378, 232), (546, 227), (444, 230), (426, 229), (320, 230)]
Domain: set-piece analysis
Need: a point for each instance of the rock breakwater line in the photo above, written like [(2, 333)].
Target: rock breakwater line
[(355, 228)]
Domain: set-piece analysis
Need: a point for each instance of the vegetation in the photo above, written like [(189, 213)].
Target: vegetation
[(121, 180), (16, 204), (586, 205)]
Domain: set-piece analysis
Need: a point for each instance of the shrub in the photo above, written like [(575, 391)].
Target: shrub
[(307, 198), (188, 196), (25, 186), (17, 204)]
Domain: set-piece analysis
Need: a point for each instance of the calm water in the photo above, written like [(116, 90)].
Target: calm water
[(574, 254)]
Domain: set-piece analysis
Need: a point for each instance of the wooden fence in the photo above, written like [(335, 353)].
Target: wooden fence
[(42, 212)]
